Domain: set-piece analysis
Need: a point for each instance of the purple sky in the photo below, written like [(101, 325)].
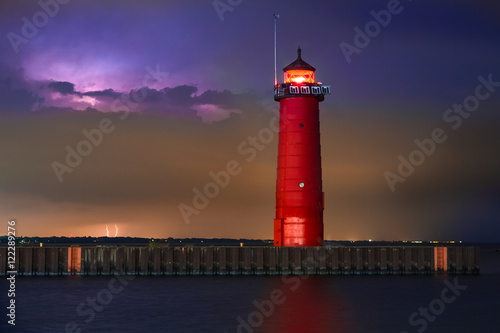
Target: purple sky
[(180, 87)]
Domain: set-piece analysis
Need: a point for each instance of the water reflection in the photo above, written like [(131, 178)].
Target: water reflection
[(299, 304)]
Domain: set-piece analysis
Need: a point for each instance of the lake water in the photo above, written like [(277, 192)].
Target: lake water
[(440, 303)]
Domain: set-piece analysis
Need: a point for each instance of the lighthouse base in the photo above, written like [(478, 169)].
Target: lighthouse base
[(297, 231)]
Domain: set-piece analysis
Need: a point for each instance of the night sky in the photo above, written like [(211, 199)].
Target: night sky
[(172, 91)]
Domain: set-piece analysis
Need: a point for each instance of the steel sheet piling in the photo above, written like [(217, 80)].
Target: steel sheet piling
[(230, 260)]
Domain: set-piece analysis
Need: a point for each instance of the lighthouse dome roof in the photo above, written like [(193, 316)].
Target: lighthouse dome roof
[(299, 63)]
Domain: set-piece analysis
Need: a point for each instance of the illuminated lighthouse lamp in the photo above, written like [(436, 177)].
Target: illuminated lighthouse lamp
[(299, 76)]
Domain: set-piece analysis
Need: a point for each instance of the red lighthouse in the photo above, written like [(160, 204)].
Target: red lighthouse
[(299, 192)]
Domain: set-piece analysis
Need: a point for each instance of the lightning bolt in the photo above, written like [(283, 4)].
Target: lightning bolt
[(116, 227), (107, 231)]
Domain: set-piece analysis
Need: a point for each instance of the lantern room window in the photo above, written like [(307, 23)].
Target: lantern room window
[(299, 76)]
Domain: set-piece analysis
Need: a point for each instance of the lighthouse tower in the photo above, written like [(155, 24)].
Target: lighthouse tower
[(299, 192)]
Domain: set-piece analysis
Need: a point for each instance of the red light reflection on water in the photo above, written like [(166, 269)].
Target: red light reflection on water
[(300, 304)]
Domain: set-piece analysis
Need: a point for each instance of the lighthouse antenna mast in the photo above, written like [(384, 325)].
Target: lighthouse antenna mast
[(276, 16)]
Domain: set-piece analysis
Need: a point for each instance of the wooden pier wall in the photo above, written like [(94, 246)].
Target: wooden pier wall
[(124, 260)]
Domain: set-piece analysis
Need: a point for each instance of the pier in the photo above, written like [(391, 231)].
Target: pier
[(245, 260)]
